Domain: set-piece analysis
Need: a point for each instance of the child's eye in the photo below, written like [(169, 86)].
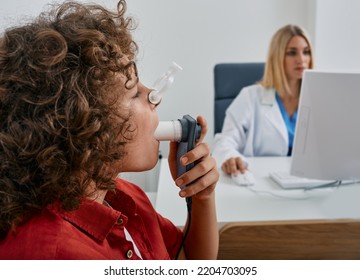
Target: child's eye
[(136, 92)]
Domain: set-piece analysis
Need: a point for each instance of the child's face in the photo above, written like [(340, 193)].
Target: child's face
[(143, 151)]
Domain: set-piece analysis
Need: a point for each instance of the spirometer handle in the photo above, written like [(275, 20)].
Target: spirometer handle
[(191, 131), (182, 149)]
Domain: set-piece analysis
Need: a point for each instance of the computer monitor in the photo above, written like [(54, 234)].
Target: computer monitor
[(327, 135)]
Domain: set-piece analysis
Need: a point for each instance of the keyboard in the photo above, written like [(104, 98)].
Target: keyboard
[(287, 181)]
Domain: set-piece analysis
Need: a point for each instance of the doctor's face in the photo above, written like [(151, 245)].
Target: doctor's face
[(297, 58)]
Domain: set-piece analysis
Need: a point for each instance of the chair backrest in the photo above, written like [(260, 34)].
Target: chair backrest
[(229, 79), (291, 240)]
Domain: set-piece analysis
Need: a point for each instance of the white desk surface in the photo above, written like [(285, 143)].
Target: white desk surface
[(264, 201)]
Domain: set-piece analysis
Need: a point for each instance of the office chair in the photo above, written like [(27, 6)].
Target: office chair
[(229, 79), (291, 240)]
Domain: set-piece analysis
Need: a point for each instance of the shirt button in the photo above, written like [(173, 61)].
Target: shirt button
[(129, 254), (119, 221)]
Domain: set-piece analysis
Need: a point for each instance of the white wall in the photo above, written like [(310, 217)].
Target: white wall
[(197, 34), (337, 34)]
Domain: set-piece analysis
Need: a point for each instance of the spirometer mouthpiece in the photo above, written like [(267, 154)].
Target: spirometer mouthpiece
[(180, 130), (168, 131), (163, 83)]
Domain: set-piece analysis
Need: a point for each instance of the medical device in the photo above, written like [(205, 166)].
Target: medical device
[(185, 131), (163, 83)]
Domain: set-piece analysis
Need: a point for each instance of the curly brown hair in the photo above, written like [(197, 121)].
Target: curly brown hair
[(61, 125)]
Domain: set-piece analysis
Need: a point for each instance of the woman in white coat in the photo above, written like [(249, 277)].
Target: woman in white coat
[(261, 119)]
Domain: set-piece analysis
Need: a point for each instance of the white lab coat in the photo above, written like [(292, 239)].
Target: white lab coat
[(253, 126)]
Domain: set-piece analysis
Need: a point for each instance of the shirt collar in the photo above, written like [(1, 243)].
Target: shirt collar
[(267, 97), (97, 219)]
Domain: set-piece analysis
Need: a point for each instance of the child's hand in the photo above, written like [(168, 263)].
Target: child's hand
[(202, 178)]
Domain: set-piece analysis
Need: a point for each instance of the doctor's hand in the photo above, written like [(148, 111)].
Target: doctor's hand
[(202, 178), (233, 165)]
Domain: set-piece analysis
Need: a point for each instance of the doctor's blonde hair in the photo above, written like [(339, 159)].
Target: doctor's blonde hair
[(274, 74)]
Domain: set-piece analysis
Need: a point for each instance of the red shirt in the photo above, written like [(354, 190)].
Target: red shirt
[(95, 231)]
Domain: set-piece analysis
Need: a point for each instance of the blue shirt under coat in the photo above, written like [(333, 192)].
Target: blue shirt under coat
[(290, 122)]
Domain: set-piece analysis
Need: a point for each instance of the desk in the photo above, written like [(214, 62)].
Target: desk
[(265, 201)]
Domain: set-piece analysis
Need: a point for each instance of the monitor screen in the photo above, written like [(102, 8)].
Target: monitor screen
[(327, 135)]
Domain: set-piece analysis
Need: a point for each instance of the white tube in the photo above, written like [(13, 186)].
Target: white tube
[(168, 131)]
